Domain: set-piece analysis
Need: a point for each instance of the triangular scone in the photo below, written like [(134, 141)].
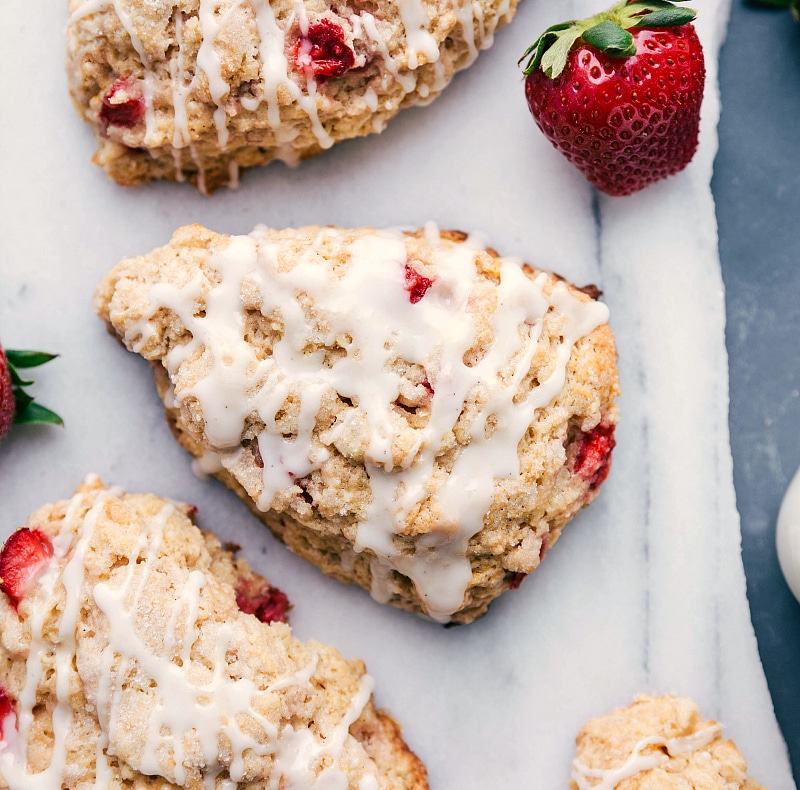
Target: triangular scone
[(125, 662), (408, 411), (657, 743), (197, 89)]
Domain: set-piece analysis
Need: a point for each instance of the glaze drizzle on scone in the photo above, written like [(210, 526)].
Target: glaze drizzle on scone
[(638, 762), (421, 359), (130, 661), (661, 742), (273, 80)]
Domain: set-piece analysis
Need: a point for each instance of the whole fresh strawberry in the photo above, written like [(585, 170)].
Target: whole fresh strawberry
[(16, 405), (619, 93)]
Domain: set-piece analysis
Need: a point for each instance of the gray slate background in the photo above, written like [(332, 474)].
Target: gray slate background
[(756, 186)]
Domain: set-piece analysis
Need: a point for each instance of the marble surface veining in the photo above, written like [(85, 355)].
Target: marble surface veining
[(645, 591)]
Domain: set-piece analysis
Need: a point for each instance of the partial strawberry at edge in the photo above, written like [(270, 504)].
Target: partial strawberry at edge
[(24, 554), (619, 94), (16, 405), (7, 405)]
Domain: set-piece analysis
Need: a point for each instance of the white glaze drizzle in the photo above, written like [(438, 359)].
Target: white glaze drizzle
[(184, 707), (420, 40), (638, 762), (181, 88), (407, 79), (276, 73), (13, 760), (368, 313)]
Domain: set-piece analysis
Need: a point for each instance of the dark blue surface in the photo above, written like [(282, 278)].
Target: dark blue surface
[(757, 189)]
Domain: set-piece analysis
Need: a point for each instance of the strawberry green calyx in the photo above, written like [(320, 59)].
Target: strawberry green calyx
[(16, 405), (607, 32)]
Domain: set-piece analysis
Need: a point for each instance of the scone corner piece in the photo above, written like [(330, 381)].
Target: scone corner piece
[(657, 742), (135, 648), (390, 403)]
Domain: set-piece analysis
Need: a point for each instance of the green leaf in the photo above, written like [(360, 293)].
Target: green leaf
[(28, 359), (644, 6), (611, 39), (34, 414), (669, 17), (535, 51), (16, 379), (554, 60), (21, 401)]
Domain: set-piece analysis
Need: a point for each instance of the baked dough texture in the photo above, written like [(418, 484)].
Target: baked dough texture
[(405, 409), (126, 663), (197, 90), (657, 743)]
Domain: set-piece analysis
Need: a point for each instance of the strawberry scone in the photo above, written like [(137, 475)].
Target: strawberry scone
[(125, 661), (657, 743), (407, 410), (197, 90)]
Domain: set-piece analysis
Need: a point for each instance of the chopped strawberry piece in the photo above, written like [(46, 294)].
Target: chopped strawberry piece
[(416, 285), (123, 104), (6, 710), (428, 387), (26, 552), (258, 597), (323, 50), (544, 547), (190, 511), (516, 580), (593, 459)]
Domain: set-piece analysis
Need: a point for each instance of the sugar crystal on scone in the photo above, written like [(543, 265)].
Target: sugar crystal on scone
[(407, 410)]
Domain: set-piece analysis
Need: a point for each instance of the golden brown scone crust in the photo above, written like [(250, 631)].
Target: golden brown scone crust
[(318, 517), (212, 107), (98, 536), (706, 763)]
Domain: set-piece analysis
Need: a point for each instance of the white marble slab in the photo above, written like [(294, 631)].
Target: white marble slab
[(645, 591)]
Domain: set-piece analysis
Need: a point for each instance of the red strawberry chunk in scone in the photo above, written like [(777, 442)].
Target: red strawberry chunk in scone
[(267, 603), (123, 105), (516, 580), (416, 285), (8, 715), (593, 458), (323, 50), (22, 558)]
